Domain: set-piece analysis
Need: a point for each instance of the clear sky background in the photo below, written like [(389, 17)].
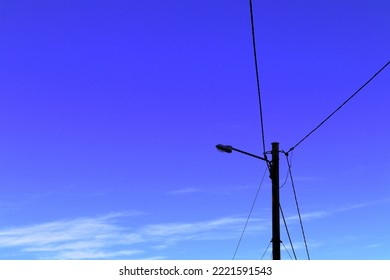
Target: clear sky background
[(110, 112)]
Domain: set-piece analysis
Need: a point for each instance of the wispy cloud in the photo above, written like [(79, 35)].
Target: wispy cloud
[(230, 190), (225, 228), (71, 239), (330, 212), (115, 236), (373, 246), (110, 237), (184, 191)]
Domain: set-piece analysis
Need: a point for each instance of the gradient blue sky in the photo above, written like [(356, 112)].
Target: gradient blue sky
[(110, 112)]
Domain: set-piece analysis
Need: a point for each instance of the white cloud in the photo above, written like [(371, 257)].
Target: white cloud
[(93, 254), (227, 228), (184, 191), (310, 216), (323, 214), (88, 237), (215, 191), (108, 237), (226, 224)]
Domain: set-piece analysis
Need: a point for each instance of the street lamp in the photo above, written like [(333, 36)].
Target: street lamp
[(229, 149), (274, 174)]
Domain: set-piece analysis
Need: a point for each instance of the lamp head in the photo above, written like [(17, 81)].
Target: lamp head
[(224, 148)]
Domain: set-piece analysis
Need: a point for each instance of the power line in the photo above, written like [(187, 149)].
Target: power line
[(285, 248), (345, 102), (257, 76), (297, 205), (249, 215), (288, 233), (262, 257)]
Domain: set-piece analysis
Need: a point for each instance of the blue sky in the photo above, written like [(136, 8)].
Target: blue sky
[(110, 112)]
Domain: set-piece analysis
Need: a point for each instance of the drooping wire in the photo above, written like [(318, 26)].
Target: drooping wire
[(250, 213), (257, 77), (288, 233), (287, 174), (285, 181), (345, 102), (297, 205)]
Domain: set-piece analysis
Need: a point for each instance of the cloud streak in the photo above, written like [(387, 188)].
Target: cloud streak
[(110, 237), (116, 236), (184, 191), (70, 239), (330, 212)]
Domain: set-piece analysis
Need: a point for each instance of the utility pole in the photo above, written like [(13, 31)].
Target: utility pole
[(275, 202), (274, 174)]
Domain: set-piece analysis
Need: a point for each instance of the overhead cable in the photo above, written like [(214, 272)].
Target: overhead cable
[(288, 234), (249, 215), (257, 76), (262, 257), (297, 205), (345, 102), (285, 248)]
